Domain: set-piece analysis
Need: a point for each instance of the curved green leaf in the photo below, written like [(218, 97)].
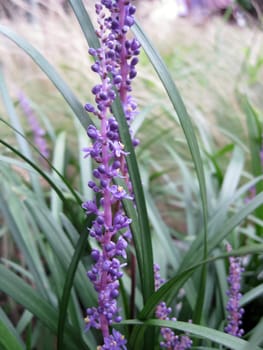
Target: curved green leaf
[(9, 336), (215, 336), (52, 74), (63, 305), (22, 293), (170, 288), (71, 189), (188, 129), (251, 295), (7, 339)]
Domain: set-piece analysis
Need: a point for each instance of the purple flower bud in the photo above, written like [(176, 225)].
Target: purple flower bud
[(117, 79), (134, 61), (95, 254), (92, 52), (96, 89), (95, 67), (129, 21), (132, 10), (91, 184), (132, 74), (89, 108), (90, 207), (92, 132)]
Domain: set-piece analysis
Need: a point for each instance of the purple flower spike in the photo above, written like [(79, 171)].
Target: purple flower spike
[(115, 64), (235, 313), (38, 132), (162, 312)]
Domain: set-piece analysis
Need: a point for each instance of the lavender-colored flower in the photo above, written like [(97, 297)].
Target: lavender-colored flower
[(38, 132), (170, 340), (116, 341), (158, 281), (116, 58), (235, 312)]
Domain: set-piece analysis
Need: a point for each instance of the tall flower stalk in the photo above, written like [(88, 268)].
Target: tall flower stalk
[(235, 312), (115, 63)]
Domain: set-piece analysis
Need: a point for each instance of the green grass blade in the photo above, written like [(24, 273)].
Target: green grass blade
[(255, 131), (9, 336), (85, 22), (179, 106), (217, 237), (63, 305), (22, 293), (37, 168), (218, 337), (143, 236), (171, 287), (22, 142), (256, 338), (251, 295), (232, 175), (7, 339), (55, 171), (52, 74), (187, 127), (20, 230), (59, 164)]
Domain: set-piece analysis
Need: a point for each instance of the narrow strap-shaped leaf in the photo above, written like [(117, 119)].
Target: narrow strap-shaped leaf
[(17, 227), (251, 295), (143, 236), (171, 287), (15, 121), (214, 240), (85, 22), (63, 305), (7, 339), (71, 189), (187, 127), (218, 337), (11, 340), (59, 164), (52, 74), (255, 144), (37, 168), (25, 295)]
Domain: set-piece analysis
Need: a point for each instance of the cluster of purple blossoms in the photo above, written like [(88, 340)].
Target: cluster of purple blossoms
[(38, 132), (235, 312), (115, 63), (162, 312)]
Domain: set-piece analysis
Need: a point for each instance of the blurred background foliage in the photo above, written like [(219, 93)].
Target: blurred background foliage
[(218, 68)]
